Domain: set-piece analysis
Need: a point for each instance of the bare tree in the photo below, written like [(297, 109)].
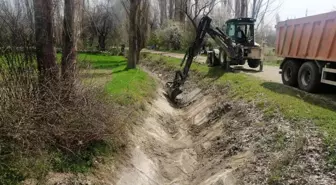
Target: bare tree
[(241, 8), (237, 8), (101, 19), (16, 21), (45, 53), (163, 11), (254, 4), (171, 9), (244, 8), (177, 9), (197, 9), (263, 8)]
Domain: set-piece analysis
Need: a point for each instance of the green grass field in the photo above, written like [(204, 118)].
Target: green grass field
[(124, 86), (269, 97)]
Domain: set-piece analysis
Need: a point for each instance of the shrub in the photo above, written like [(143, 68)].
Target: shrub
[(170, 36), (41, 127)]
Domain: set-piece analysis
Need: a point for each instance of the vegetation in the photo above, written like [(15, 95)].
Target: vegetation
[(77, 131), (126, 86)]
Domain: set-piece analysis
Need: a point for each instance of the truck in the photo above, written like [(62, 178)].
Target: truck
[(308, 48)]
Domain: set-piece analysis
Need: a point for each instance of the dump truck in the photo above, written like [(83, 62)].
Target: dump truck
[(308, 48)]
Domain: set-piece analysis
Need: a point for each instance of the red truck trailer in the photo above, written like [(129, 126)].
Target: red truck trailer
[(308, 46)]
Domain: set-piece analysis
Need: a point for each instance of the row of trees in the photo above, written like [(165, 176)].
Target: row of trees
[(111, 23), (44, 37)]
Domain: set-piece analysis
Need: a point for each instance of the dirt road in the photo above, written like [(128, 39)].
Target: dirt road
[(270, 73)]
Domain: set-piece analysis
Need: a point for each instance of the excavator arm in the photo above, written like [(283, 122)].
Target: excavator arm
[(204, 27)]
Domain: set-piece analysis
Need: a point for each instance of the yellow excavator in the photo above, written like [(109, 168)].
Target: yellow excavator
[(237, 45)]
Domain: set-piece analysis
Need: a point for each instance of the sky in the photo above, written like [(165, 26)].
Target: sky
[(297, 8)]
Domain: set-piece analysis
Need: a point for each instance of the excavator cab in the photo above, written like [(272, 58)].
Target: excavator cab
[(241, 30), (241, 33)]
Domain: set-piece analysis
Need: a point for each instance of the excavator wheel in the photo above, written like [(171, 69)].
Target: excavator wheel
[(224, 61), (212, 60), (254, 63)]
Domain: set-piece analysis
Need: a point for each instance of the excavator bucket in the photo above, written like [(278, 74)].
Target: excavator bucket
[(173, 88), (172, 92)]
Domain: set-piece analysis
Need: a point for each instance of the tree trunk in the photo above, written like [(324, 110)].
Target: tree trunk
[(229, 9), (45, 53), (254, 8), (238, 8), (177, 10), (183, 9), (69, 42), (171, 9), (196, 8), (163, 11), (101, 42), (244, 8), (132, 58), (241, 8)]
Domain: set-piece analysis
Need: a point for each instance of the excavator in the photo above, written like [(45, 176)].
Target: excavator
[(237, 45)]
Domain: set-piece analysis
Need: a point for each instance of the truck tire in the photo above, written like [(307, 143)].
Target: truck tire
[(309, 77), (253, 63), (290, 72)]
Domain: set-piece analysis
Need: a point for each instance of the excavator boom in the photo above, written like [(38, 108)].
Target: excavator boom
[(204, 27)]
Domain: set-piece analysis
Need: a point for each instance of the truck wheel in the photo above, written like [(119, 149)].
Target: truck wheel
[(290, 71), (253, 63), (309, 77)]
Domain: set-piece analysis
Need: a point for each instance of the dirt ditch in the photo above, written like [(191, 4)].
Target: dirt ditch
[(211, 140)]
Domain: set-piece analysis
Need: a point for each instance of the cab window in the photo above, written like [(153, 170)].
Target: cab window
[(231, 30)]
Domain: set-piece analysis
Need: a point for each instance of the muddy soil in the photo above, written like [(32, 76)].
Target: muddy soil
[(211, 140)]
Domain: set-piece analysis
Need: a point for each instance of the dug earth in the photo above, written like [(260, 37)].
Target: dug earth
[(208, 139)]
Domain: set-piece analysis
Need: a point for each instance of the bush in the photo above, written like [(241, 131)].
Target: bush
[(168, 38), (41, 127)]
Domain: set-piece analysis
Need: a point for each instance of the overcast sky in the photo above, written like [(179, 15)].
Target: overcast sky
[(297, 8)]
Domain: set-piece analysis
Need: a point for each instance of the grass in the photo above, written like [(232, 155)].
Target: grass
[(269, 97), (125, 87)]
